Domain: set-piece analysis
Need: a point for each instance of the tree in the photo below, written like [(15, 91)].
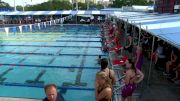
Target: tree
[(4, 5), (60, 5), (19, 8), (51, 5)]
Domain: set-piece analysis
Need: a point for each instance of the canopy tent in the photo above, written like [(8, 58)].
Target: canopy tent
[(163, 26), (67, 12)]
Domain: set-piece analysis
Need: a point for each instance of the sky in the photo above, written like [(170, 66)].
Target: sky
[(20, 2), (25, 2)]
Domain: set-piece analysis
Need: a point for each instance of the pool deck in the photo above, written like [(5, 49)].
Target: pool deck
[(16, 99)]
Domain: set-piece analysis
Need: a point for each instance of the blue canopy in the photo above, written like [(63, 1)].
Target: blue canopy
[(164, 26), (68, 12)]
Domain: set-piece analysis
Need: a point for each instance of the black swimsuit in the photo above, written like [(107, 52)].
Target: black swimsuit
[(104, 99)]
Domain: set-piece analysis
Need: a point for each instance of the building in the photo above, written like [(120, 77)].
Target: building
[(150, 0), (94, 1), (82, 1), (105, 2), (167, 6), (72, 1)]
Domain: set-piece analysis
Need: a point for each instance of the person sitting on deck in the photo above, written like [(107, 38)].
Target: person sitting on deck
[(52, 94), (177, 72), (173, 61)]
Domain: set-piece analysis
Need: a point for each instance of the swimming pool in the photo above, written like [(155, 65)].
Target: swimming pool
[(64, 55)]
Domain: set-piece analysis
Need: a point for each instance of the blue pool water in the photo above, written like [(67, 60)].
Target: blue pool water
[(64, 55)]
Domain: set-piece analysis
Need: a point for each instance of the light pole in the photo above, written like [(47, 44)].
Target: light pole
[(104, 4), (72, 4), (76, 5), (87, 4), (23, 5), (14, 5)]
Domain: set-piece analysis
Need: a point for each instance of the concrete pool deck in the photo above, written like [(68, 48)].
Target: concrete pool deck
[(17, 99)]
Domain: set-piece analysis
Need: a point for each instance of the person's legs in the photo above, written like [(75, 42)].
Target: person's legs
[(155, 59), (176, 77), (168, 66), (123, 99), (129, 98)]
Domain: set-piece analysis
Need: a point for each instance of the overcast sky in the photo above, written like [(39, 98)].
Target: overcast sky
[(20, 2), (31, 2)]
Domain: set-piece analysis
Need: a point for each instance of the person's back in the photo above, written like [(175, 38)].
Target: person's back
[(109, 72), (103, 87)]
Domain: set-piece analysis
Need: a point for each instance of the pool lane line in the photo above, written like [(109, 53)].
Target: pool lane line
[(29, 40), (53, 36), (37, 79), (45, 66), (81, 36), (3, 74), (42, 86), (51, 54), (18, 37), (23, 59), (76, 41), (70, 35), (79, 73), (26, 56), (40, 33), (50, 46), (16, 40), (52, 60)]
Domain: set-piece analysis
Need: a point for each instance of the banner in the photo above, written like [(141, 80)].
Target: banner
[(7, 31), (30, 26), (54, 21), (45, 24), (50, 23), (20, 29), (39, 26)]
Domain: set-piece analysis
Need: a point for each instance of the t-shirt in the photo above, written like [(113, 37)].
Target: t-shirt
[(59, 98)]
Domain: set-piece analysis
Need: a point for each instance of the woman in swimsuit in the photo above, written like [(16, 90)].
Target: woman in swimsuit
[(132, 77), (103, 88), (139, 58), (109, 72)]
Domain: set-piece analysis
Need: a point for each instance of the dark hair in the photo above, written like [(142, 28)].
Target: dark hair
[(104, 63), (49, 86), (132, 65)]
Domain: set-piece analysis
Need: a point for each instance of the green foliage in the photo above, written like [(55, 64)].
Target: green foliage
[(54, 5), (4, 5), (19, 8), (50, 5), (61, 5)]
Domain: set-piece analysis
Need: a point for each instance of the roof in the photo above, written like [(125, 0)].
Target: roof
[(69, 12), (164, 26)]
